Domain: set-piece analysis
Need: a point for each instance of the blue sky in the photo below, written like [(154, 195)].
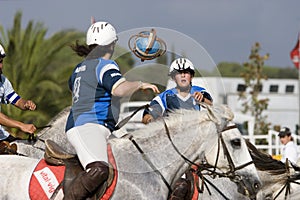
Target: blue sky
[(225, 29)]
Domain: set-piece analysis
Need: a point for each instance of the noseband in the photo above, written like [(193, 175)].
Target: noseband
[(232, 168)]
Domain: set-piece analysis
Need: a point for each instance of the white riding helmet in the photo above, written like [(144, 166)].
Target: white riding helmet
[(101, 33), (2, 52), (182, 64)]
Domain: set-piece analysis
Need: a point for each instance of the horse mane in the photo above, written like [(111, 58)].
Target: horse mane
[(265, 162), (219, 114), (172, 121)]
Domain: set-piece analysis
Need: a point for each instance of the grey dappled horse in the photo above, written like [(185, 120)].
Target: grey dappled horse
[(195, 135)]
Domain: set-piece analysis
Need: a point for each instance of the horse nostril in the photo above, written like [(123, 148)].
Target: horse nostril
[(256, 186)]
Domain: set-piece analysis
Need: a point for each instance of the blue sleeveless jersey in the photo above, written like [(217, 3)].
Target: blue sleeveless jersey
[(91, 84)]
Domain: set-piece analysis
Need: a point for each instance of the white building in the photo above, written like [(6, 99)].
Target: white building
[(283, 108)]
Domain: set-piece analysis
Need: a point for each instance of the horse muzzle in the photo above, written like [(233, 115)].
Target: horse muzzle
[(248, 186)]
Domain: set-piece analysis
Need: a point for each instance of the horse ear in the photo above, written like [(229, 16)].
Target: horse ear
[(212, 114), (227, 114), (93, 20), (220, 114)]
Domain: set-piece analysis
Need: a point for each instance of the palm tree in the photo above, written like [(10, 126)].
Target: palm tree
[(38, 68)]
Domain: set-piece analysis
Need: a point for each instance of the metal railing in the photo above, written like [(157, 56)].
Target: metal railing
[(271, 142)]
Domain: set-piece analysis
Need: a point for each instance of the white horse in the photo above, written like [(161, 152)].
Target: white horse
[(273, 174), (151, 174)]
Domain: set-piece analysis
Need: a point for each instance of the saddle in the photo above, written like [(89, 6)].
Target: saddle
[(7, 148), (55, 155)]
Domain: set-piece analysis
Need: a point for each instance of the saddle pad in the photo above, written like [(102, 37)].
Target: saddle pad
[(46, 178), (44, 181), (110, 189), (196, 184)]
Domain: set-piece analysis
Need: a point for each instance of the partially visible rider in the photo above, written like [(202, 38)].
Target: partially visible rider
[(94, 82), (183, 96), (8, 95)]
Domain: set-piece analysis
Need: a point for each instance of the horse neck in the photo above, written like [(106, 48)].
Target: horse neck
[(188, 139)]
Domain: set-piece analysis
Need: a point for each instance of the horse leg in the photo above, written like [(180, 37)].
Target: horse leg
[(182, 190), (87, 182)]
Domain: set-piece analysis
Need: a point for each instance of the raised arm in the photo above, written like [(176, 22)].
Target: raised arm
[(127, 88)]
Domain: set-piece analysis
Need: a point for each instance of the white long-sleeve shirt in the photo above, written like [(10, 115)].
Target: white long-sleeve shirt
[(290, 152)]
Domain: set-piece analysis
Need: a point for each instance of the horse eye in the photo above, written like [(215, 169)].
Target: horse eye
[(236, 143)]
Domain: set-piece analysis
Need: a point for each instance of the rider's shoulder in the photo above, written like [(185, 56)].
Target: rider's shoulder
[(107, 61), (197, 88), (169, 92)]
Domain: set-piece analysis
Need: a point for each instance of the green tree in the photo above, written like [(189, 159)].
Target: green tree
[(234, 69), (37, 67), (229, 69), (253, 76)]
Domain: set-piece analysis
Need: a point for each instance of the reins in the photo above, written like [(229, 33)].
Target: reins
[(230, 174), (145, 157), (287, 185), (126, 119), (31, 138)]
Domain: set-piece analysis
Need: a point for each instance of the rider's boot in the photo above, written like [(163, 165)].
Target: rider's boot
[(88, 181), (182, 190)]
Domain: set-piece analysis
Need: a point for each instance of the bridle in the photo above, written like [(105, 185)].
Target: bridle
[(232, 168), (290, 179), (229, 174)]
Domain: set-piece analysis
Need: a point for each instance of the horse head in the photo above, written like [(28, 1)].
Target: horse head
[(229, 152), (279, 180)]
